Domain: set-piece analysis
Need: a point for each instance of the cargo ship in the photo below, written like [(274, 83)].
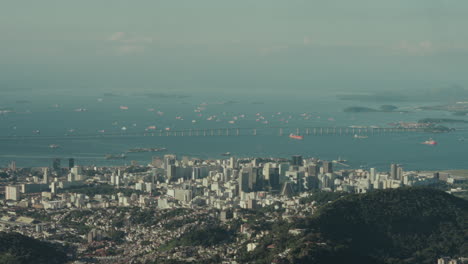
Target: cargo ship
[(54, 146), (430, 142), (293, 136), (359, 136)]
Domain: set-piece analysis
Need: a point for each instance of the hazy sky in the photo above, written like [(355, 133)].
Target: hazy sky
[(218, 44)]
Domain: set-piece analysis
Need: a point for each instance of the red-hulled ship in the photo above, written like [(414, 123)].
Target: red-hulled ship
[(296, 136), (430, 142)]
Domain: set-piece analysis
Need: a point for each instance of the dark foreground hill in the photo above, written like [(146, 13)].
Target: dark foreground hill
[(16, 248), (409, 225)]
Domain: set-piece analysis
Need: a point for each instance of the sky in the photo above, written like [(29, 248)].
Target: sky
[(219, 46)]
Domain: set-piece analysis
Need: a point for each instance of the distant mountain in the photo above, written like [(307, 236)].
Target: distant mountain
[(16, 248), (408, 225)]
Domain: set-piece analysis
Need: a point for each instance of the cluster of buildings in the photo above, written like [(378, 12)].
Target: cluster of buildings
[(210, 189)]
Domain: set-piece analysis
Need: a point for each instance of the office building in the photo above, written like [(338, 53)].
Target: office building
[(12, 193), (244, 181), (56, 165), (45, 178), (71, 163), (393, 171), (169, 159), (171, 172), (297, 160), (372, 175), (327, 167)]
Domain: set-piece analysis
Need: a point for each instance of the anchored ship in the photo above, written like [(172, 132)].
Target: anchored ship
[(359, 136), (430, 142), (293, 136)]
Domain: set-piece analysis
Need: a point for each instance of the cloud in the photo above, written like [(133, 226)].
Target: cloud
[(124, 43), (129, 38), (117, 36)]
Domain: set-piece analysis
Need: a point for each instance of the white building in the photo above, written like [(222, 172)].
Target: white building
[(12, 193)]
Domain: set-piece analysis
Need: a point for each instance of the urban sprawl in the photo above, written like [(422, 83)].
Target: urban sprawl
[(141, 212)]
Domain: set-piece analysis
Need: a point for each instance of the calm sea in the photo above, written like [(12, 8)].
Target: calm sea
[(262, 112)]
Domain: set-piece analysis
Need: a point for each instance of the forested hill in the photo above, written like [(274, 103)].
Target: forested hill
[(407, 225), (18, 249)]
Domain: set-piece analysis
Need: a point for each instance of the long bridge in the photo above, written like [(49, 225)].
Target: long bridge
[(211, 132)]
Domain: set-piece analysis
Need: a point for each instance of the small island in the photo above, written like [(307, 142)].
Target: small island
[(441, 120), (363, 109)]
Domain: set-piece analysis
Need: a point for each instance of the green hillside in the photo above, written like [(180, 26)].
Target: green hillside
[(18, 249), (409, 225)]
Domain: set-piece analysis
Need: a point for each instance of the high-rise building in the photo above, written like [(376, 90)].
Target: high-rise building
[(393, 171), (12, 165), (273, 178), (171, 172), (232, 163), (12, 193), (372, 174), (313, 170), (327, 167), (255, 179), (45, 178), (196, 173), (169, 159), (297, 160), (244, 181), (77, 171), (399, 173), (71, 177), (56, 165), (71, 163)]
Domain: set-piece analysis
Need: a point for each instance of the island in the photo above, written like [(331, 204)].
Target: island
[(363, 109), (359, 109), (441, 120)]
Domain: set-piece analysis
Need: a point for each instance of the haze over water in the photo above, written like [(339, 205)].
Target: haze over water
[(104, 113), (267, 56)]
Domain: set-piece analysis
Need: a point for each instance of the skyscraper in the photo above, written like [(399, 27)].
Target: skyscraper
[(45, 178), (12, 165), (393, 171), (56, 165), (313, 170), (171, 172), (232, 163), (273, 178), (297, 160), (327, 167), (169, 159), (372, 175), (71, 163), (244, 181), (399, 173), (196, 173)]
